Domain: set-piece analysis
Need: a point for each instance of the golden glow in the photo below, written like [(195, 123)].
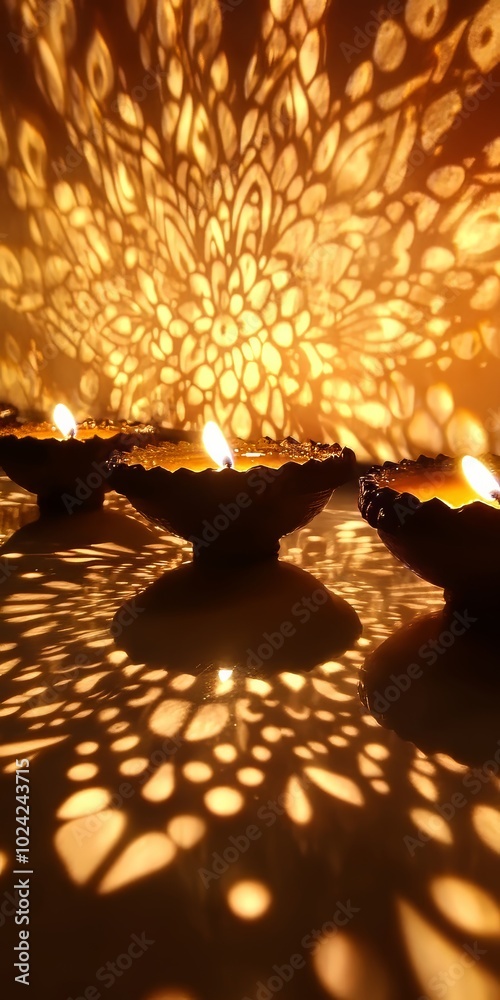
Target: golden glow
[(297, 803), (224, 801), (249, 899), (64, 420), (161, 784), (225, 752), (86, 748), (168, 717), (486, 820), (337, 785), (186, 831), (84, 803), (225, 674), (349, 969), (432, 952), (208, 721), (198, 270), (216, 445), (83, 844), (133, 765), (480, 478), (250, 776), (466, 905), (432, 824), (197, 771), (82, 772), (148, 854)]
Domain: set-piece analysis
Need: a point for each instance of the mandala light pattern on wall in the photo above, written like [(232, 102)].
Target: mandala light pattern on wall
[(284, 216)]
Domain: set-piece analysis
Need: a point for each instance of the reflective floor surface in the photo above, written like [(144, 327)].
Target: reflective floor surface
[(215, 814)]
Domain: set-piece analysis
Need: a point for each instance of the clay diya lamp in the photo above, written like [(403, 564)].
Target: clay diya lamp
[(66, 464), (232, 503), (441, 518)]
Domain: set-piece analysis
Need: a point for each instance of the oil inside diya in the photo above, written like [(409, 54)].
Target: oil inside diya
[(238, 503), (441, 518), (65, 464)]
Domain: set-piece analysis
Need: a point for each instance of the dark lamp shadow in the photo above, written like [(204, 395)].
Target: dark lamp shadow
[(436, 682), (269, 616), (55, 534)]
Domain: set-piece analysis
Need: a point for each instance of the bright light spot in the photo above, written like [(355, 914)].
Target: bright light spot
[(216, 445), (433, 954), (249, 899), (209, 721), (85, 748), (449, 763), (161, 785), (182, 682), (432, 824), (480, 478), (186, 831), (168, 716), (338, 741), (64, 420), (424, 785), (486, 821), (271, 734), (350, 970), (124, 744), (466, 905), (134, 765), (84, 803), (368, 768), (250, 776), (225, 752), (3, 861), (107, 713), (255, 685), (424, 766), (224, 801), (331, 667), (380, 786), (147, 854), (293, 681), (336, 785), (28, 747), (197, 771), (83, 844), (376, 751), (297, 803), (225, 674), (82, 772)]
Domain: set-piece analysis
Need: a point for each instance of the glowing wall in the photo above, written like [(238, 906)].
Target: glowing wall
[(284, 215)]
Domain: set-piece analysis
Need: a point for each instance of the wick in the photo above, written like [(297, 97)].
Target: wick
[(228, 464), (72, 433), (496, 496)]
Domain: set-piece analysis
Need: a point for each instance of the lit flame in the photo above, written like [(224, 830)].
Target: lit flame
[(64, 420), (225, 674), (480, 478), (216, 445)]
